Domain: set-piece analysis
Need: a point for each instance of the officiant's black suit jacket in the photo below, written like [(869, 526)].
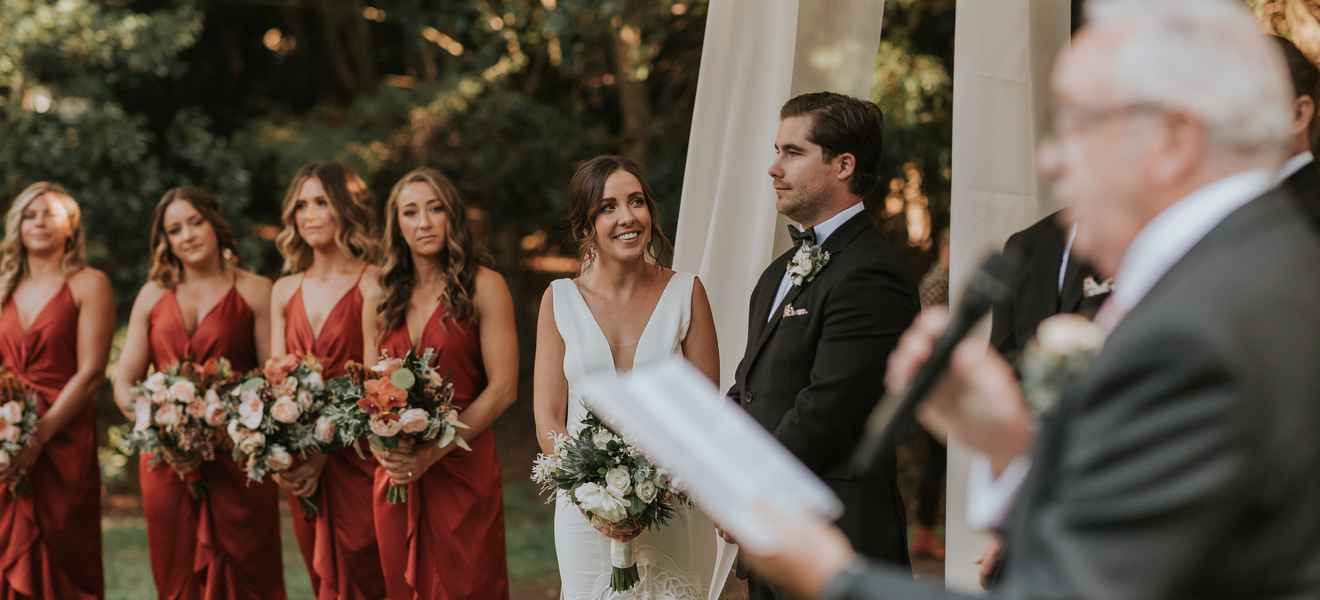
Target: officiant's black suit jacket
[(1038, 295), (1185, 464), (813, 377), (1305, 187)]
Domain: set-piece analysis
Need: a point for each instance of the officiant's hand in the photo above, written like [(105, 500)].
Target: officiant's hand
[(810, 552), (976, 401)]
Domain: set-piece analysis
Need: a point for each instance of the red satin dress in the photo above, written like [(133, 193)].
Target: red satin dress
[(447, 540), (339, 546), (50, 539), (226, 544)]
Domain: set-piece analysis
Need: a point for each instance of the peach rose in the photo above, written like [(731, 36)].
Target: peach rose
[(279, 459), (168, 415), (279, 367), (197, 409), (183, 391), (385, 426), (325, 430), (413, 420), (285, 410), (252, 442)]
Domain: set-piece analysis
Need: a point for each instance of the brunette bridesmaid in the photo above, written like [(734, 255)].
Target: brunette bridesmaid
[(198, 306), (435, 291), (56, 323), (317, 310)]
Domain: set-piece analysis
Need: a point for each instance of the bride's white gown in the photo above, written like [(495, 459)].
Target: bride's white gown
[(675, 561)]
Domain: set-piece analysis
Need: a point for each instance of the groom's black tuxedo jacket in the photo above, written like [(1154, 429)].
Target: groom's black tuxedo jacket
[(1185, 463), (812, 377)]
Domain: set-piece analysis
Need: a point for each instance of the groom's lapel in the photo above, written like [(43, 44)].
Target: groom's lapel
[(834, 245)]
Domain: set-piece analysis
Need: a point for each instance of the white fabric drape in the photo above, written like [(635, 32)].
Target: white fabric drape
[(1003, 53)]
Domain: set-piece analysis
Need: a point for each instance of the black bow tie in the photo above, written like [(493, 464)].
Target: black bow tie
[(807, 235)]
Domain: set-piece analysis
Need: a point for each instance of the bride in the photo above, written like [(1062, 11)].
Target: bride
[(623, 310)]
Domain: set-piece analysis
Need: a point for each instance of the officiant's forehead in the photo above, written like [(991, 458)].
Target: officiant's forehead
[(795, 133), (1084, 73)]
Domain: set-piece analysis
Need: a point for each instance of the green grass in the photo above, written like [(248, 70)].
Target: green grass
[(529, 527)]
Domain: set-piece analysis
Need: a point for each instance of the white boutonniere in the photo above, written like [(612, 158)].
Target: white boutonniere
[(1091, 288), (808, 261), (1064, 347)]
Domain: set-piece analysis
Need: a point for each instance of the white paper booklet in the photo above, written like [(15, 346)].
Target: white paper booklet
[(726, 462)]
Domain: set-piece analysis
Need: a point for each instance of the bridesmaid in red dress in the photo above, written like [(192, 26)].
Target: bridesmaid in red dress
[(57, 320), (198, 306), (447, 540), (317, 310)]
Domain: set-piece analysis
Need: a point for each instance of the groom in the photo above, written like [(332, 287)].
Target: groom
[(826, 314)]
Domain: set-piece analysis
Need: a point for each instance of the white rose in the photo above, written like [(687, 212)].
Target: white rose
[(1069, 334), (285, 410), (646, 491), (250, 410), (279, 459), (325, 430), (141, 414), (385, 427), (155, 383), (314, 381), (619, 481), (167, 415), (235, 433), (252, 443), (12, 412), (602, 438), (414, 420)]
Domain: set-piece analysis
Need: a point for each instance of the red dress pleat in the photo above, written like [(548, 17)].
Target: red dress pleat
[(447, 540), (50, 539), (339, 546), (226, 544)]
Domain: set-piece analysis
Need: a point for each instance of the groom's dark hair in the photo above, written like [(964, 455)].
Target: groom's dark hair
[(844, 125)]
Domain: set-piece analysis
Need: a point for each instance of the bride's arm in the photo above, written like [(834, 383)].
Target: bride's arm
[(700, 347), (549, 386)]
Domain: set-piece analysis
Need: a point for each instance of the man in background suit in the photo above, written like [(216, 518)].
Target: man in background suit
[(1300, 174), (818, 336), (1184, 462)]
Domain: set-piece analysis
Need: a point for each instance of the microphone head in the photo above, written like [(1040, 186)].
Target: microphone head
[(994, 280)]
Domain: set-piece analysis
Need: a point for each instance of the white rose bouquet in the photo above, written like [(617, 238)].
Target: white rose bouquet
[(18, 423), (396, 401), (618, 490), (276, 415), (179, 417)]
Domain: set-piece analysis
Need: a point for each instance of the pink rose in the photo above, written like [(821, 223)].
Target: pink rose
[(278, 459), (183, 391), (385, 427), (285, 410), (250, 410), (325, 430), (12, 412), (413, 420), (168, 415)]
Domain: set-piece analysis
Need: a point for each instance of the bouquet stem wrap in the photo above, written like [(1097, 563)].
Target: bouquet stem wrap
[(624, 561)]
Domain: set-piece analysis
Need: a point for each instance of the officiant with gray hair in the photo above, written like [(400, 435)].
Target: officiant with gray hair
[(1183, 461)]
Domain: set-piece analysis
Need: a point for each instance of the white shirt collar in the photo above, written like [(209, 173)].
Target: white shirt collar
[(1295, 164), (1173, 233), (832, 224), (1067, 253)]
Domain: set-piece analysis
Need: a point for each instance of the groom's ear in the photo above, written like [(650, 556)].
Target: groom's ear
[(847, 165)]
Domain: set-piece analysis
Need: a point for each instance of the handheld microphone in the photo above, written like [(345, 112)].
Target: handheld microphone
[(993, 282)]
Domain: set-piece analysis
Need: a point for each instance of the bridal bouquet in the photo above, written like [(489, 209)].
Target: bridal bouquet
[(397, 401), (619, 491), (276, 414), (18, 423), (179, 416)]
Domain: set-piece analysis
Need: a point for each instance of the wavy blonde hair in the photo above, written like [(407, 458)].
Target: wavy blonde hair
[(350, 201), (459, 260), (166, 268), (13, 255)]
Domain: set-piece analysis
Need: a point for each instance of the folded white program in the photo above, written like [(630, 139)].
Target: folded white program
[(724, 460)]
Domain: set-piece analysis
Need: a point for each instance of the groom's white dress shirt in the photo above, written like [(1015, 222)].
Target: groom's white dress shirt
[(823, 232)]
